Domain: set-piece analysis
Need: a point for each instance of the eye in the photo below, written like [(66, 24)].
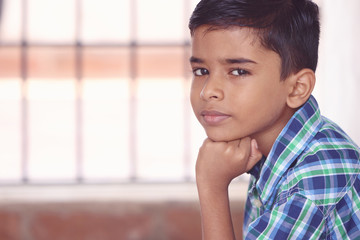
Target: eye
[(239, 72), (200, 71)]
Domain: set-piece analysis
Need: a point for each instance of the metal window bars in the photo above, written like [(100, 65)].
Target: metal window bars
[(78, 46)]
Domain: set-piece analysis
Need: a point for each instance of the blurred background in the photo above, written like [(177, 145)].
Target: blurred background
[(95, 91), (96, 128)]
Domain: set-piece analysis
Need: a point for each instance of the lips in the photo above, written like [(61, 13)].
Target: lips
[(214, 117)]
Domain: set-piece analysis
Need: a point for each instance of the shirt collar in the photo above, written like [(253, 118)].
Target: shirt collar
[(255, 171), (292, 140)]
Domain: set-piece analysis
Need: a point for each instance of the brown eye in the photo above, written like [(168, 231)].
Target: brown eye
[(239, 72), (200, 72)]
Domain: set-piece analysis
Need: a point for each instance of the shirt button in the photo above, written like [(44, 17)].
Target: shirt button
[(257, 203)]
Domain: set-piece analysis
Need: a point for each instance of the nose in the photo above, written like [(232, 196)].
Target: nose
[(212, 89)]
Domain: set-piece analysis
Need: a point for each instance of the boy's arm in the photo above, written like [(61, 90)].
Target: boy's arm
[(217, 165)]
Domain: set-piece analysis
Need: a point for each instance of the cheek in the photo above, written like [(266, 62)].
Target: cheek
[(271, 110), (258, 105), (195, 91), (193, 97), (194, 100)]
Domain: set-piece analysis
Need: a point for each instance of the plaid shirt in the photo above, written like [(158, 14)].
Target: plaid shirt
[(309, 185)]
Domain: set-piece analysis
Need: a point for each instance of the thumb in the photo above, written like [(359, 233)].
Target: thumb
[(255, 155)]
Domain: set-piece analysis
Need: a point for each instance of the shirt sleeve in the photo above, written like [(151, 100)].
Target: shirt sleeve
[(297, 218)]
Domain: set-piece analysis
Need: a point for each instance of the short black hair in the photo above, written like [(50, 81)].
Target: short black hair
[(291, 28)]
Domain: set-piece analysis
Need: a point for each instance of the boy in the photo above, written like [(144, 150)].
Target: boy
[(254, 65)]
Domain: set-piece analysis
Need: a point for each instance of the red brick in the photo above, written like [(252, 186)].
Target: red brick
[(10, 225), (183, 222), (106, 221), (88, 226)]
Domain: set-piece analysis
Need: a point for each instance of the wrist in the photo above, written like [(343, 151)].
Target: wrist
[(205, 186)]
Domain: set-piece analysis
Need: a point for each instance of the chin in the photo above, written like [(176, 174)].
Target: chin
[(221, 137)]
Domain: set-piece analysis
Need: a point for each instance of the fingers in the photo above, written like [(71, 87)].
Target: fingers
[(255, 155), (207, 140), (247, 148)]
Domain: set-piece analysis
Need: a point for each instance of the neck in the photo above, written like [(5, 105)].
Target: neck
[(267, 137)]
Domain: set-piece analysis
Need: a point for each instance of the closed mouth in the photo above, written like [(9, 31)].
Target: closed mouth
[(213, 117)]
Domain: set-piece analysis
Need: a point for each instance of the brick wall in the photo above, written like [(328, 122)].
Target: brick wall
[(105, 221)]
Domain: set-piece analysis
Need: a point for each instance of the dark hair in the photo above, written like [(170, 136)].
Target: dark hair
[(291, 28)]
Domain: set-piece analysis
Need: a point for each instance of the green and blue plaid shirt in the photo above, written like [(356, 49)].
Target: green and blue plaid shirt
[(308, 187)]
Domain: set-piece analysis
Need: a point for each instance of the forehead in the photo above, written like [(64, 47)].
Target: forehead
[(232, 42), (231, 35), (206, 29)]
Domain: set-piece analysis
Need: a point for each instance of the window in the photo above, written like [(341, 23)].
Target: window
[(96, 91)]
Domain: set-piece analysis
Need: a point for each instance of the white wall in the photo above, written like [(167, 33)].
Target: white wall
[(338, 75)]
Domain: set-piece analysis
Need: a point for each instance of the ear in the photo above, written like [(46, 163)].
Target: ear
[(301, 86)]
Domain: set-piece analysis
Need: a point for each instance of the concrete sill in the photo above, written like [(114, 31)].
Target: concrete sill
[(132, 192)]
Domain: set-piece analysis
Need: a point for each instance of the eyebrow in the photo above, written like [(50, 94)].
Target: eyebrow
[(196, 60), (239, 60), (226, 61)]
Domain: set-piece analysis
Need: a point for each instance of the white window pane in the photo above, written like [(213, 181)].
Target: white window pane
[(106, 129), (106, 21), (193, 4), (51, 21), (160, 20), (10, 137), (51, 129), (191, 8), (10, 27), (160, 132)]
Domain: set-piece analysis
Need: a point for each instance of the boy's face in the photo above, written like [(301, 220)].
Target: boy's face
[(236, 89)]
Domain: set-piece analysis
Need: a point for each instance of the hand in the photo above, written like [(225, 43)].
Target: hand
[(218, 163)]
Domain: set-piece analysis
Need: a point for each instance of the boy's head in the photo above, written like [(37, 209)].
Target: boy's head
[(289, 27), (241, 52)]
